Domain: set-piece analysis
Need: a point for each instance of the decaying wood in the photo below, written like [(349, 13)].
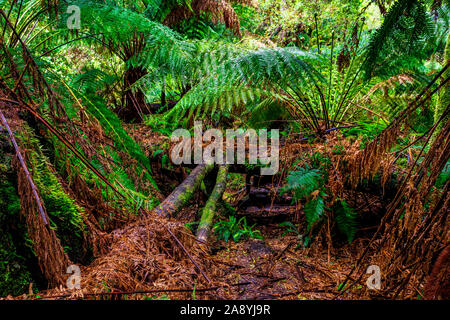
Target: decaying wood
[(210, 207), (184, 192)]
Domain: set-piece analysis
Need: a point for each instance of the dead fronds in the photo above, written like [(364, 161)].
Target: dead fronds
[(219, 10)]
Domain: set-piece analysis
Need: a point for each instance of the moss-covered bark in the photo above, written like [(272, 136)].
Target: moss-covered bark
[(444, 97), (209, 210), (15, 275), (184, 192)]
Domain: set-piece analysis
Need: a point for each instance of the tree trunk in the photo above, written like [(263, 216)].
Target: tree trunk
[(210, 207), (135, 105)]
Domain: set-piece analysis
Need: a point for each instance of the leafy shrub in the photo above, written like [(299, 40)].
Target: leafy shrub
[(235, 230)]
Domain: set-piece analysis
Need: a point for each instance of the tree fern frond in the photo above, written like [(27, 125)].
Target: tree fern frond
[(394, 46)]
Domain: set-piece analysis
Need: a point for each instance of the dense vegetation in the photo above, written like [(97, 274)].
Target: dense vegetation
[(358, 89)]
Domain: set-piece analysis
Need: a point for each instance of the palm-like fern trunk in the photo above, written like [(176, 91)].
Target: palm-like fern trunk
[(135, 105)]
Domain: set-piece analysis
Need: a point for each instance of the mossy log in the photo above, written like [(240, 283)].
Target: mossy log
[(184, 192), (210, 207), (443, 100)]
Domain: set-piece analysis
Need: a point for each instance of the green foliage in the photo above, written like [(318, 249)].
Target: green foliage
[(366, 131), (191, 226), (303, 241), (293, 22), (15, 256), (235, 230), (110, 122), (155, 297), (159, 124), (398, 45), (202, 28), (444, 176), (14, 274), (345, 219), (314, 210), (66, 217), (308, 184), (303, 182)]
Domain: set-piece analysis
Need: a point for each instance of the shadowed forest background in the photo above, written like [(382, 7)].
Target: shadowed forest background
[(91, 91)]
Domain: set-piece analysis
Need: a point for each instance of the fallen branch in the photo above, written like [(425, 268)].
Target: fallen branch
[(68, 295)]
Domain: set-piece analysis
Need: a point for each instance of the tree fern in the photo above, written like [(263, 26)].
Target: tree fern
[(111, 123)]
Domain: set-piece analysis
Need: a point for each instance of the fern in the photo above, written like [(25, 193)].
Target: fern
[(345, 220), (398, 44), (314, 210), (303, 182), (306, 183)]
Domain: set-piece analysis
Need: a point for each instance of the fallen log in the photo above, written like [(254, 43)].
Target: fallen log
[(210, 207), (184, 192)]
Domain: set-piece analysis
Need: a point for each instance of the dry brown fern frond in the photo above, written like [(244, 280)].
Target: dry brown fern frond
[(438, 283), (144, 255), (219, 11), (415, 227), (366, 162)]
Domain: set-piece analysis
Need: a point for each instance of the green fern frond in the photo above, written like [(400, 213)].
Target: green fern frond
[(314, 209), (345, 220), (303, 182), (397, 45)]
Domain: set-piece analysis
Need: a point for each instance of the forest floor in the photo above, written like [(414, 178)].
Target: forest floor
[(255, 270)]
